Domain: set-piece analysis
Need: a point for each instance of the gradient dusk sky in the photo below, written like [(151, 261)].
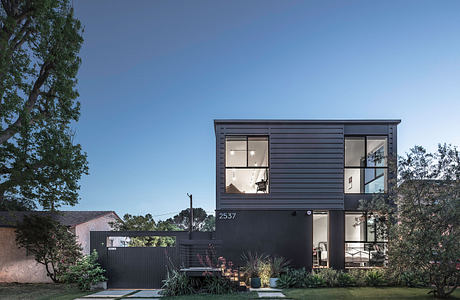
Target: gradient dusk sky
[(156, 73)]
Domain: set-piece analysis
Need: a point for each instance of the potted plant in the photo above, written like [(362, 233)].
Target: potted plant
[(252, 267), (278, 265)]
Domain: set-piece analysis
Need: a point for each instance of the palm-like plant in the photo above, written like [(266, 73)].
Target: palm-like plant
[(253, 263), (278, 265)]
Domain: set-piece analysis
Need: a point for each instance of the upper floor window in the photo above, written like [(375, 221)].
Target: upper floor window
[(246, 164), (366, 165)]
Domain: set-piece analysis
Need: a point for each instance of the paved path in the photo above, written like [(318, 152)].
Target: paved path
[(268, 293), (123, 294)]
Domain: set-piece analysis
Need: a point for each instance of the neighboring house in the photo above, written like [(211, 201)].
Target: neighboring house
[(17, 266), (292, 188)]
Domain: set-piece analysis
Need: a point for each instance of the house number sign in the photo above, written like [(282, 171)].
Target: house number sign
[(227, 215)]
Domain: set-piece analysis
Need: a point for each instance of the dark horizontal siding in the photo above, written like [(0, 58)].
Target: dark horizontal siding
[(306, 167)]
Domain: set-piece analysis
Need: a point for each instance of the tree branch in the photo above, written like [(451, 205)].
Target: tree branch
[(30, 103)]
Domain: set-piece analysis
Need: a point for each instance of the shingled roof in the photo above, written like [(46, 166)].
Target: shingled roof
[(68, 218)]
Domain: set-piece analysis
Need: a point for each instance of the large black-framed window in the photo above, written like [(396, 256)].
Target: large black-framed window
[(246, 164), (365, 240), (366, 164)]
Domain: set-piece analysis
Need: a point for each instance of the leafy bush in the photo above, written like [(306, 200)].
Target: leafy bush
[(218, 285), (293, 278), (177, 284), (314, 281), (345, 279), (374, 278), (50, 242), (86, 272), (413, 279), (358, 276), (329, 276), (264, 273)]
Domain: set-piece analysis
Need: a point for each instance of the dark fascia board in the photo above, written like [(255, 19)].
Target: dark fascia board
[(296, 121)]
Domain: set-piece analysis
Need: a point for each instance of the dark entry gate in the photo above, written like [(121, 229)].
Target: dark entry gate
[(142, 267)]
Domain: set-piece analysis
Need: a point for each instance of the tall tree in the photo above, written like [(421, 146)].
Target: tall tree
[(182, 219), (39, 161), (424, 226)]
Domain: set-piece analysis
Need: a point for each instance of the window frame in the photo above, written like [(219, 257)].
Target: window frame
[(365, 166), (267, 168), (366, 233)]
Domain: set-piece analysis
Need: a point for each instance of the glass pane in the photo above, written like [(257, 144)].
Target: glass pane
[(320, 234), (376, 151), (366, 255), (243, 181), (371, 228), (235, 151), (355, 227), (353, 181), (375, 181), (141, 241), (354, 151), (258, 152)]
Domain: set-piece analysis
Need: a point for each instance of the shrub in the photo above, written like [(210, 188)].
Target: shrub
[(177, 284), (314, 281), (345, 279), (218, 285), (374, 278), (86, 272), (264, 273), (413, 279), (358, 276), (278, 265), (50, 242), (329, 276), (293, 278)]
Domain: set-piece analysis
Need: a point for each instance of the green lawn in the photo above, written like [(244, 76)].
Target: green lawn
[(66, 292), (362, 293), (37, 291)]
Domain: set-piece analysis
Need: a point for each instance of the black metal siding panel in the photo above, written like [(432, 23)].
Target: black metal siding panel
[(306, 167)]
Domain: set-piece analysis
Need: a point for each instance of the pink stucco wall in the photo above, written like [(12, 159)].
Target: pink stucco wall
[(99, 224), (16, 266)]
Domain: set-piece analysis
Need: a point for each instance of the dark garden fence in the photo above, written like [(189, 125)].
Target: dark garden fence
[(141, 259)]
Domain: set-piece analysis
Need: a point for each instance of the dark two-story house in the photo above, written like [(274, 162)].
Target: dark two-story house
[(292, 188)]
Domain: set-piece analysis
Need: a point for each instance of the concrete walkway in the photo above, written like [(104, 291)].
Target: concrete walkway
[(268, 293), (124, 294)]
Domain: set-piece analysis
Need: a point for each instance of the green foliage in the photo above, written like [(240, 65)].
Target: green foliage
[(177, 284), (293, 278), (424, 226), (253, 263), (217, 285), (344, 279), (358, 276), (51, 243), (413, 279), (85, 273), (278, 265), (314, 281), (374, 277), (39, 161), (330, 276), (145, 223), (265, 273), (201, 220)]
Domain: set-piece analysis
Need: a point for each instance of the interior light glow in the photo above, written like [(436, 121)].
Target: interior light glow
[(255, 164), (252, 152), (232, 152)]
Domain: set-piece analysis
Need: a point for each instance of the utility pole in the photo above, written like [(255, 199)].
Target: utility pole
[(190, 226)]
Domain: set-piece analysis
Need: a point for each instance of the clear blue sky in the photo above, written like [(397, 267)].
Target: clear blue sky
[(156, 73)]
